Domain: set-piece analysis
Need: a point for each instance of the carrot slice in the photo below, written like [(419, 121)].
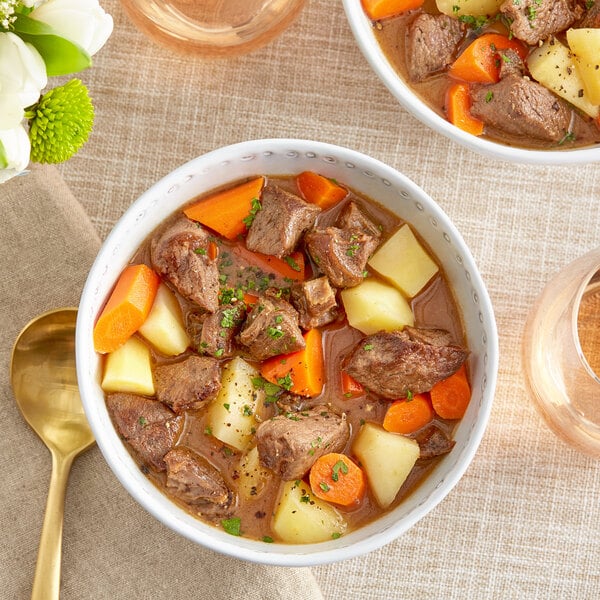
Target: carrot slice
[(458, 109), (291, 267), (450, 397), (350, 387), (127, 308), (228, 212), (337, 478), (407, 416), (320, 190), (481, 59), (300, 372), (382, 9)]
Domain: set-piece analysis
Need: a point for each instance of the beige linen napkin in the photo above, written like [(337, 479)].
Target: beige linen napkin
[(112, 548)]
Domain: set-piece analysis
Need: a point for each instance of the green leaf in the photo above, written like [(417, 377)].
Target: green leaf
[(3, 159), (61, 56)]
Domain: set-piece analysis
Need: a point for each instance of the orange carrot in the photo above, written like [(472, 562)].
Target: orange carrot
[(228, 212), (481, 59), (320, 190), (407, 416), (350, 387), (336, 478), (458, 108), (291, 267), (127, 307), (450, 397), (382, 9), (300, 372), (249, 300), (213, 250)]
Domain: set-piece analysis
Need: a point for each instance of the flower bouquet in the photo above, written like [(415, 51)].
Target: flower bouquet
[(41, 39)]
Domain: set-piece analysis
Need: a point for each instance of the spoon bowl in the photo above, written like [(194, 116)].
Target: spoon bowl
[(44, 382)]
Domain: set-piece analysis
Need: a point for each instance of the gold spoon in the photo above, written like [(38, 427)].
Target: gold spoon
[(44, 383)]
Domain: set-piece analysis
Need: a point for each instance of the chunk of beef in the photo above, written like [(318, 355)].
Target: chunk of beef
[(290, 443), (433, 441), (431, 44), (271, 328), (180, 254), (534, 20), (352, 217), (392, 364), (280, 223), (591, 17), (189, 383), (147, 425), (194, 481), (341, 254), (220, 329), (315, 302), (511, 63), (522, 107)]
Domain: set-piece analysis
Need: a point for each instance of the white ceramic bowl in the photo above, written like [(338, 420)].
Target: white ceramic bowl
[(367, 176), (362, 29)]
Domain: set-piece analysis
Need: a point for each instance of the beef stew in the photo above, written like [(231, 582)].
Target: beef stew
[(523, 74), (228, 395)]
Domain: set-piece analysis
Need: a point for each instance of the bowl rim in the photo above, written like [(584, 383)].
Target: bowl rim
[(121, 463), (362, 30)]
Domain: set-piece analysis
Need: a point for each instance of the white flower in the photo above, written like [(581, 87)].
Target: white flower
[(82, 22), (14, 152), (22, 77)]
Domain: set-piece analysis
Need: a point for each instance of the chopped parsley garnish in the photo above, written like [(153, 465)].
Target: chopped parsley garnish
[(267, 539), (286, 382), (229, 317), (324, 486), (489, 96), (474, 22), (352, 249), (275, 333), (232, 526), (292, 263), (247, 410), (256, 206), (201, 251), (409, 395), (208, 430), (227, 406), (219, 352), (336, 535), (340, 465), (143, 421), (368, 347), (305, 498)]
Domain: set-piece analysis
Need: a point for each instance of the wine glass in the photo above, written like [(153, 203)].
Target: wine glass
[(561, 353)]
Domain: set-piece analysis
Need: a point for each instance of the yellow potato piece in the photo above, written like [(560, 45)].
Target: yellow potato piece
[(128, 369), (163, 327), (253, 476), (553, 65), (585, 45), (404, 262), (455, 8), (387, 459), (231, 415), (374, 306), (301, 518)]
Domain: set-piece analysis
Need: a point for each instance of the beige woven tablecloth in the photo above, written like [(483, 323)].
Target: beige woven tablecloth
[(524, 521)]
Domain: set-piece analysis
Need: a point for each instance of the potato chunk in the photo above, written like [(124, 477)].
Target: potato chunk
[(553, 65), (163, 327), (231, 415), (253, 476), (404, 262), (373, 306), (301, 518), (387, 459), (456, 8), (585, 45), (128, 369)]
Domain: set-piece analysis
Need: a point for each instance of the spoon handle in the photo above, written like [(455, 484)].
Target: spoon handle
[(46, 581)]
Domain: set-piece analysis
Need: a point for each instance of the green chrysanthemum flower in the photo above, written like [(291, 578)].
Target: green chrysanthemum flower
[(60, 123)]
